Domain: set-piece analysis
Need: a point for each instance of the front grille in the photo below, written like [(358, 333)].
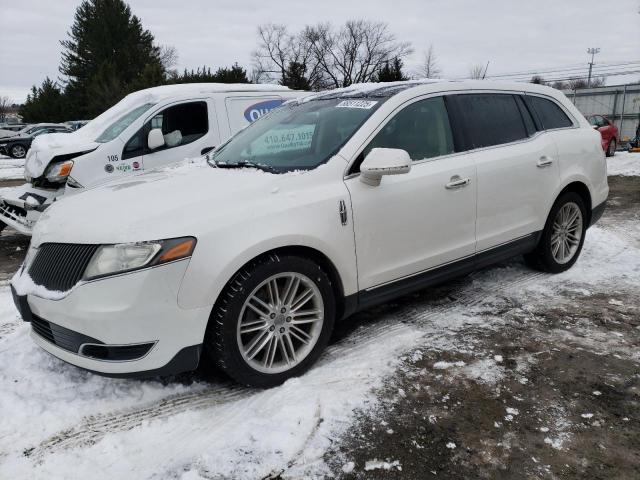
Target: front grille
[(60, 336), (59, 266)]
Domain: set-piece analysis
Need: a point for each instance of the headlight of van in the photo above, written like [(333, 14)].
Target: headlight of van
[(126, 257), (58, 172)]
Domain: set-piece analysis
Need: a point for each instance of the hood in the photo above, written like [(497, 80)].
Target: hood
[(47, 146), (173, 202), (5, 134)]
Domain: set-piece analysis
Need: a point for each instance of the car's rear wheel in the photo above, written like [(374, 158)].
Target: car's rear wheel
[(563, 235), (18, 151), (611, 148), (272, 321)]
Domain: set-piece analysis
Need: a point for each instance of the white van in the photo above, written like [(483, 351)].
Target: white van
[(145, 130)]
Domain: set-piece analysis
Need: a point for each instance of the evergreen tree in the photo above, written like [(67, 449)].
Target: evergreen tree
[(391, 72), (44, 104), (294, 77), (107, 52), (234, 74)]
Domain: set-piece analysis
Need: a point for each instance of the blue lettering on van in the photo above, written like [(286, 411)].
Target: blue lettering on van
[(255, 111)]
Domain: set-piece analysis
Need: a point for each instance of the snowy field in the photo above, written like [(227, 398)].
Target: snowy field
[(61, 422), (11, 168)]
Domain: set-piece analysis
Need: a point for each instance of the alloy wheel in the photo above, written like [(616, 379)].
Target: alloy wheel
[(18, 151), (567, 233), (280, 322)]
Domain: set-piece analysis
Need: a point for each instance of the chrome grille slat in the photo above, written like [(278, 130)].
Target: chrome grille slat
[(60, 266)]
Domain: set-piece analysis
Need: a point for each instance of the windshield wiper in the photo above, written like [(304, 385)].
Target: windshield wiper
[(247, 164)]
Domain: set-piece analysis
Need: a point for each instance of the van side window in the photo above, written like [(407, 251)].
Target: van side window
[(135, 146), (181, 124), (550, 114), (491, 119), (422, 129)]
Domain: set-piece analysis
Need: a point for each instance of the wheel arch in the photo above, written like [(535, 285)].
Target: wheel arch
[(581, 189)]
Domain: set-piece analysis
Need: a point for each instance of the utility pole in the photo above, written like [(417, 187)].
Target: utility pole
[(591, 51)]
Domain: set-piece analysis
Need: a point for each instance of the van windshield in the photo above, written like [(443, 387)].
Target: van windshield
[(296, 136), (120, 124)]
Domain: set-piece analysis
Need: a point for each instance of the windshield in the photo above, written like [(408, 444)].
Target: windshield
[(297, 136), (117, 127)]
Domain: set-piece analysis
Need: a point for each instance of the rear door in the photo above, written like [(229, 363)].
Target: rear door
[(516, 165)]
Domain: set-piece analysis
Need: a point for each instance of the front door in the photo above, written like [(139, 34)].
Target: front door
[(414, 222)]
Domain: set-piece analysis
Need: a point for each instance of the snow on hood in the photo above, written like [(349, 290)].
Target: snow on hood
[(7, 134), (47, 146), (161, 204)]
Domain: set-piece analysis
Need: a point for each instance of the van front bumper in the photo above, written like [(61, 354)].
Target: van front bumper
[(21, 207), (123, 326)]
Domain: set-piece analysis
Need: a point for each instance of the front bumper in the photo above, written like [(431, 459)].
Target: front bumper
[(21, 207), (121, 313)]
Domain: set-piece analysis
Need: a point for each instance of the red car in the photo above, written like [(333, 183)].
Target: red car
[(608, 131)]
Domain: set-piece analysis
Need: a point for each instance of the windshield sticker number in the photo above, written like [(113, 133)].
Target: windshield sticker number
[(365, 104), (277, 141)]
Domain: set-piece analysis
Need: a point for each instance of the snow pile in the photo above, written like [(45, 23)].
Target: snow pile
[(624, 163), (24, 285), (11, 168)]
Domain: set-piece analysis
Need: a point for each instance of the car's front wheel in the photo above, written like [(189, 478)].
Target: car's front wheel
[(611, 149), (563, 235), (18, 151), (272, 321)]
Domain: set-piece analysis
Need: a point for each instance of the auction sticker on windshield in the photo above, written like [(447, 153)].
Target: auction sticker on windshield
[(283, 139), (365, 104)]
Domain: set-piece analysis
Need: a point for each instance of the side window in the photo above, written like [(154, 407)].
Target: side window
[(529, 123), (550, 114), (182, 124), (422, 129), (491, 119)]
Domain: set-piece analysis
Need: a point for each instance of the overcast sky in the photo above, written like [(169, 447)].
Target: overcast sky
[(513, 35)]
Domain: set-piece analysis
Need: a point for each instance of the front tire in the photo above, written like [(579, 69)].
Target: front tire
[(611, 148), (272, 321), (563, 235), (18, 151)]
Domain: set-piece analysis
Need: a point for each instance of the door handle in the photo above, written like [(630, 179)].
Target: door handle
[(457, 182), (544, 161)]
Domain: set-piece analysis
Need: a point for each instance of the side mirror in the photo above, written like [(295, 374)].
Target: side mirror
[(384, 161), (595, 127), (155, 139)]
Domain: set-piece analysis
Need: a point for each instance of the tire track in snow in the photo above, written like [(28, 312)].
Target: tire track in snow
[(93, 428)]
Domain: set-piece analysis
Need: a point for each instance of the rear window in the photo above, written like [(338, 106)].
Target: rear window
[(549, 113), (491, 119)]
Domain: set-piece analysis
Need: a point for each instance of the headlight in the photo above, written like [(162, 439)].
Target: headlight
[(58, 171), (124, 257)]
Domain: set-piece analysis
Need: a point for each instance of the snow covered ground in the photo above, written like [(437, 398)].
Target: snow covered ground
[(11, 168), (624, 163), (61, 422)]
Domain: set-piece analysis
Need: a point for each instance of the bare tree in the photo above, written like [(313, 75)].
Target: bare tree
[(5, 108), (476, 72), (278, 50), (329, 57), (355, 52), (168, 58), (429, 67)]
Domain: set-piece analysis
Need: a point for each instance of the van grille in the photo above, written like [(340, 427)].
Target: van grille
[(59, 266)]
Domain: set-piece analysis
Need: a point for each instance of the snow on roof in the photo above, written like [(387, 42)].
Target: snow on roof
[(191, 88)]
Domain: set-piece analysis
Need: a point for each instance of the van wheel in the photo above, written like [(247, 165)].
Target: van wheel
[(563, 236), (611, 148), (272, 321)]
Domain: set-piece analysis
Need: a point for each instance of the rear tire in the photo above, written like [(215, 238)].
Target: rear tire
[(563, 235), (261, 332), (611, 148)]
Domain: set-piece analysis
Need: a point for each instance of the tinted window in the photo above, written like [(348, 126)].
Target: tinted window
[(529, 123), (135, 146), (422, 129), (550, 114), (491, 119)]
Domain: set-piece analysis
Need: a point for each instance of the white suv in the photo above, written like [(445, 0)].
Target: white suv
[(328, 205)]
